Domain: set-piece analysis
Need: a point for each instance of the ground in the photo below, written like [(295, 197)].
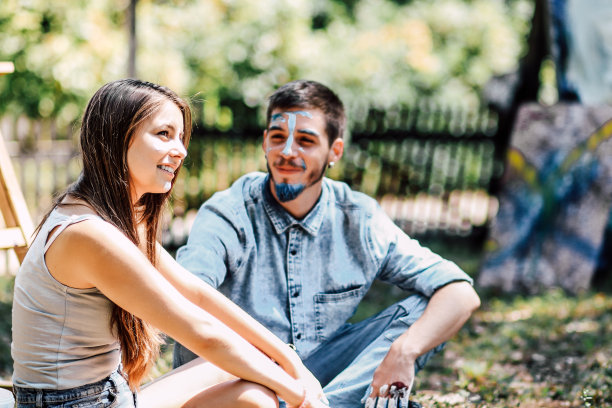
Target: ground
[(549, 350)]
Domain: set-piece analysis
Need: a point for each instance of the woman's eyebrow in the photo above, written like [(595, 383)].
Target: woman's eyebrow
[(166, 125)]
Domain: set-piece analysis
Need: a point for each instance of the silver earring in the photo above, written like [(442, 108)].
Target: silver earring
[(331, 164)]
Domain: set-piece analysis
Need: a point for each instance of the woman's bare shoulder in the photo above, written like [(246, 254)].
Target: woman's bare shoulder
[(83, 245), (92, 231), (87, 230)]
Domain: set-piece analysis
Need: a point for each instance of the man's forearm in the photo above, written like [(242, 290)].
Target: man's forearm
[(448, 310)]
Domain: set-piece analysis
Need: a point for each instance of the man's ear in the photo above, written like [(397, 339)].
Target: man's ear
[(264, 141), (336, 151)]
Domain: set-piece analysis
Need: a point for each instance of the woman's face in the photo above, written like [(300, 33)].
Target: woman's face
[(156, 151)]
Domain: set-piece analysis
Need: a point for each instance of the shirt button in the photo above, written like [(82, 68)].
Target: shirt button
[(293, 252), (296, 293), (298, 336)]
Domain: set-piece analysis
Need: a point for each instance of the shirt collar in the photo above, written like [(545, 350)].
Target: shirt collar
[(282, 220)]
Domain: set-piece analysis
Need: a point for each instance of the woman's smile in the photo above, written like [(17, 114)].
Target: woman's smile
[(156, 151)]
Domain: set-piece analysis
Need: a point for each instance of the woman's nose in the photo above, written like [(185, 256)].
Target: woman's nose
[(178, 149)]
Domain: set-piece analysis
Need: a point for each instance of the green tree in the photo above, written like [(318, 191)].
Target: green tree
[(228, 55), (61, 51)]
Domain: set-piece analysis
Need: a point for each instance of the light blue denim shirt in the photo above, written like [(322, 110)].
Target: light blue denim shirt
[(303, 279)]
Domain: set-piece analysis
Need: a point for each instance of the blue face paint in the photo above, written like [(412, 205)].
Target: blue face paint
[(292, 119), (291, 126), (285, 191), (288, 192), (277, 117)]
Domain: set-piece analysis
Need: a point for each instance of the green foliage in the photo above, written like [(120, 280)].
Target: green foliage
[(62, 52), (229, 55)]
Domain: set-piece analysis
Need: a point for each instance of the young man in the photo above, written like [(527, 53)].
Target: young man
[(299, 251)]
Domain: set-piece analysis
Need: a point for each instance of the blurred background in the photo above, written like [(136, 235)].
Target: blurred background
[(432, 91)]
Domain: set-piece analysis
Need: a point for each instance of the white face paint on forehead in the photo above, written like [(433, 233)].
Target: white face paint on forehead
[(291, 120)]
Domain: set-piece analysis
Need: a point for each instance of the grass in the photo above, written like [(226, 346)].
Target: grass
[(549, 350)]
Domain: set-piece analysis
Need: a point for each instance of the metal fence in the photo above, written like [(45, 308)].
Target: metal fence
[(430, 167)]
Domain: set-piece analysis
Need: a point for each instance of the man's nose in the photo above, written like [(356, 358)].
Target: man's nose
[(289, 150)]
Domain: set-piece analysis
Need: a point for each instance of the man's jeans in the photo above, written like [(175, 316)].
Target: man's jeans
[(345, 364)]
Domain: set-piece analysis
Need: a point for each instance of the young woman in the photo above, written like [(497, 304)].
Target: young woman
[(96, 285)]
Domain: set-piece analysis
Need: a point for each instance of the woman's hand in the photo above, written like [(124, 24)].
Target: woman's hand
[(299, 371), (310, 401), (312, 385)]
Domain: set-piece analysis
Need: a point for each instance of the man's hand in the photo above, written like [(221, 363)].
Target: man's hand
[(447, 310), (396, 369)]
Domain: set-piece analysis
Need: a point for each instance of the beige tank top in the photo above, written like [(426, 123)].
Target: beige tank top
[(61, 335)]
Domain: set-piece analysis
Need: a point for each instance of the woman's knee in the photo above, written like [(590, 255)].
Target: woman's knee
[(256, 396), (234, 394)]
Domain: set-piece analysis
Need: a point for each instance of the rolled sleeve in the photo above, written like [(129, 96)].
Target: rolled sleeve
[(407, 264)]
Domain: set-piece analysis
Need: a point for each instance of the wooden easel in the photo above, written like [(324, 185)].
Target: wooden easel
[(18, 228)]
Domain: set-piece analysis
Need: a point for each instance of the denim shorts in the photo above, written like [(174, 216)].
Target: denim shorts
[(113, 391)]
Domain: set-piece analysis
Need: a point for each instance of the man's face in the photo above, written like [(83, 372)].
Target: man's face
[(297, 150)]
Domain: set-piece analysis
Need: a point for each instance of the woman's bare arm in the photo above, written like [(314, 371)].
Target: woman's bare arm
[(93, 253), (210, 299)]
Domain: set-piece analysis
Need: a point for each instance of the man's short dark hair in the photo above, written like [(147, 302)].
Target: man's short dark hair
[(311, 95)]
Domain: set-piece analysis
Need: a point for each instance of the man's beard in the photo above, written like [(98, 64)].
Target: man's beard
[(289, 192)]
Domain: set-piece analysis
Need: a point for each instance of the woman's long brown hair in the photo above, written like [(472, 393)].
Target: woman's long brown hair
[(112, 117)]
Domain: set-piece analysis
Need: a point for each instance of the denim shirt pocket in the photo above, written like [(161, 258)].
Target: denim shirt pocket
[(333, 309)]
